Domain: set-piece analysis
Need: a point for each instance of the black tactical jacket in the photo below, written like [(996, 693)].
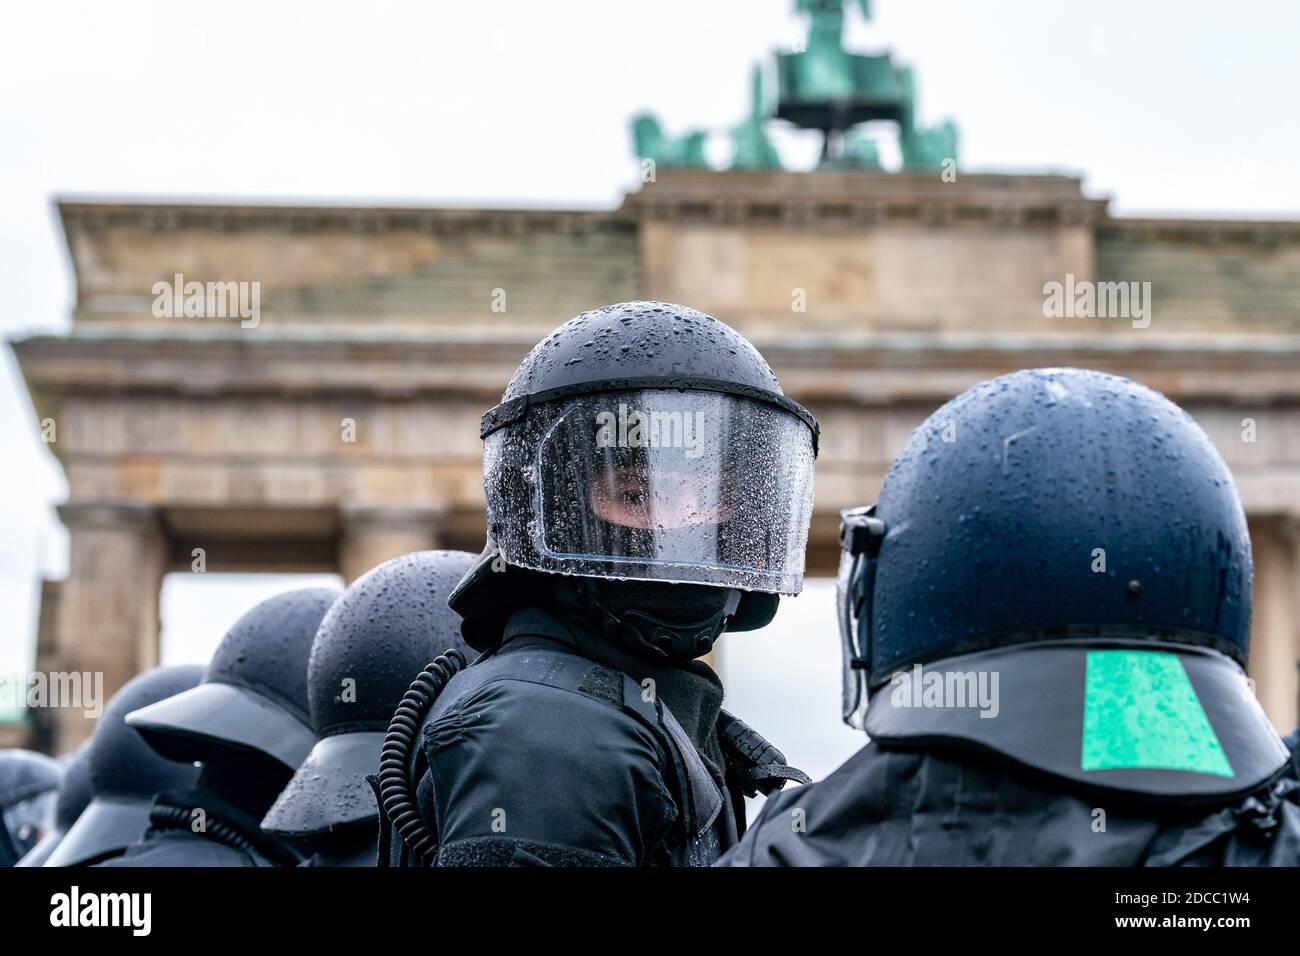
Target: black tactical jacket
[(888, 807), (539, 755)]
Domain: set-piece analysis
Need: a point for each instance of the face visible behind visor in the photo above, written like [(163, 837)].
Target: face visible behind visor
[(682, 486), (642, 441)]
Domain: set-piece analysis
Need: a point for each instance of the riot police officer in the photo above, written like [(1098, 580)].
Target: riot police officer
[(1048, 614), (388, 624), (648, 487), (73, 797), (124, 773), (247, 724), (29, 784)]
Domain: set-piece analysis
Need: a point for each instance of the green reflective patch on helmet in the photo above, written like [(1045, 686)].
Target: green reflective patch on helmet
[(1140, 711)]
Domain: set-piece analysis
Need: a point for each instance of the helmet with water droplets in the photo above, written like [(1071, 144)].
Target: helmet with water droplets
[(124, 772), (1065, 551), (389, 624), (648, 442), (253, 696)]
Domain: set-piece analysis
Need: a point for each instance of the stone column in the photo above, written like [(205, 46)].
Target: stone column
[(372, 534), (106, 628), (1275, 624)]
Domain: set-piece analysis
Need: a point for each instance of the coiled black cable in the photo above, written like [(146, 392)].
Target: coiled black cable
[(180, 818), (395, 789), (167, 816)]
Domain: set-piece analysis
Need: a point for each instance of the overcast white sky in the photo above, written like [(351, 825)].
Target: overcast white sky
[(1185, 108)]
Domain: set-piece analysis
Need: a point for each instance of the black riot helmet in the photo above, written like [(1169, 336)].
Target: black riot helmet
[(124, 772), (74, 791), (1058, 571), (29, 784), (389, 624), (254, 694), (639, 445), (73, 797)]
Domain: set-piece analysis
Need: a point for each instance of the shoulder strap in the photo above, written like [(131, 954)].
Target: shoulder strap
[(698, 797), (754, 764)]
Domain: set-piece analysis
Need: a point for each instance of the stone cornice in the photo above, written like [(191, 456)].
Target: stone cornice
[(1262, 232), (858, 368), (863, 199), (80, 216), (110, 514), (855, 199), (247, 365)]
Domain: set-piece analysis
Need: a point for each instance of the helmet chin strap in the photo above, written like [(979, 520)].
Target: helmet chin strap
[(653, 636)]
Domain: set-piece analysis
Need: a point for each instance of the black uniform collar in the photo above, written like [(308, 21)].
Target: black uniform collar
[(534, 622)]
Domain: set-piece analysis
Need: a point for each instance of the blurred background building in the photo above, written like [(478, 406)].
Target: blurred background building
[(340, 427)]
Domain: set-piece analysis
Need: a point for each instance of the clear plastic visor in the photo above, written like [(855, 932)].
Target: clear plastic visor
[(685, 486), (854, 691)]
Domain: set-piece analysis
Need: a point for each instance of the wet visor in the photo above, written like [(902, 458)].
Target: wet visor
[(658, 485), (854, 692), (861, 534)]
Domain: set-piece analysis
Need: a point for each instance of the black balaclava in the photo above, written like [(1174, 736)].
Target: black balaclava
[(655, 620)]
